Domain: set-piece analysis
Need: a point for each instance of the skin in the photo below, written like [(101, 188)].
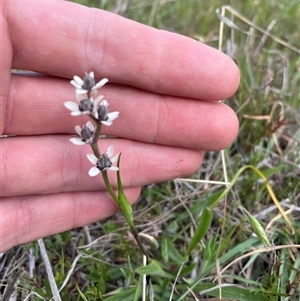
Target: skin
[(165, 86)]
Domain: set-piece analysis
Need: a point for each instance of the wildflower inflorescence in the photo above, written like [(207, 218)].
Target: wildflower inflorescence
[(97, 110), (89, 133)]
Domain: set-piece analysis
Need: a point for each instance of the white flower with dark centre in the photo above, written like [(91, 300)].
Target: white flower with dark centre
[(87, 85), (86, 134), (105, 162), (101, 112), (84, 106)]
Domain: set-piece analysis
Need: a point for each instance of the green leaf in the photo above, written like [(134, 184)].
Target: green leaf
[(259, 230), (211, 200), (123, 202), (173, 227), (164, 250), (230, 292), (188, 269), (174, 254), (268, 172), (283, 274), (153, 268), (138, 289), (120, 186), (202, 228), (233, 292)]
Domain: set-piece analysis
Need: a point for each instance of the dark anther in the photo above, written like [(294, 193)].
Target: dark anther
[(86, 134), (104, 162), (86, 105), (88, 82), (103, 113)]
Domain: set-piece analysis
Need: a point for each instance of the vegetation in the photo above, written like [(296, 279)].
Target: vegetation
[(208, 240)]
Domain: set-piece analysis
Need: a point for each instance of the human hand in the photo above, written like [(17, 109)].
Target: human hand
[(165, 87)]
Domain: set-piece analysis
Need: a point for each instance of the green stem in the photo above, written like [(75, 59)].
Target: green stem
[(140, 244), (108, 186), (129, 221), (111, 191)]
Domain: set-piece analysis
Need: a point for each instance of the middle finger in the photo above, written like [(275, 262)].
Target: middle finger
[(35, 107)]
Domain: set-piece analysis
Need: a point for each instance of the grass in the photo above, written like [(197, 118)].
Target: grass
[(207, 240)]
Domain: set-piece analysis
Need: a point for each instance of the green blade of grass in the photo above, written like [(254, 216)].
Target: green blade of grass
[(204, 223)]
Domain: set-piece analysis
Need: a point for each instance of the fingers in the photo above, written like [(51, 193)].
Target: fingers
[(5, 68), (52, 164), (21, 220), (35, 106), (63, 39)]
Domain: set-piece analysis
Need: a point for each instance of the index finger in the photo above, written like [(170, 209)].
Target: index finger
[(62, 39)]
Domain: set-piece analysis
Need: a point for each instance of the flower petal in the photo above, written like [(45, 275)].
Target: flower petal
[(77, 141), (77, 82), (100, 84), (104, 103), (107, 123), (110, 151), (90, 125), (113, 115), (78, 130), (76, 113), (115, 158), (72, 106), (94, 171), (92, 158), (91, 74)]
